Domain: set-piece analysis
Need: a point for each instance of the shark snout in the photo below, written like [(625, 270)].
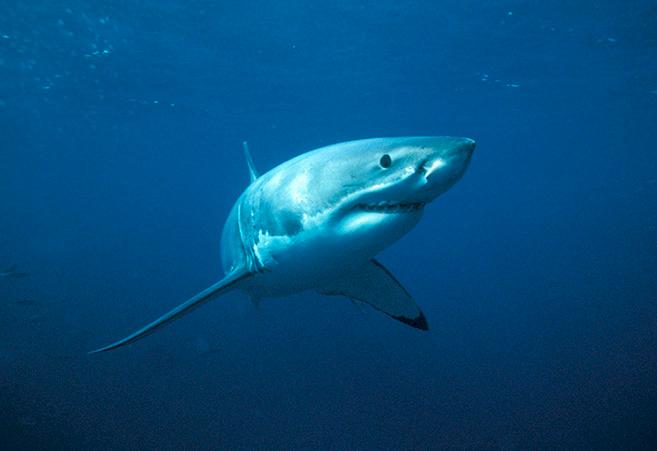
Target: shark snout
[(463, 148), (469, 145), (446, 166), (450, 161)]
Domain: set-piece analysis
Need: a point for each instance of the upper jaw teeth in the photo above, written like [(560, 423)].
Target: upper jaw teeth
[(385, 206)]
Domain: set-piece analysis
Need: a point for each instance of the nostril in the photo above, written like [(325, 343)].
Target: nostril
[(422, 168), (431, 167)]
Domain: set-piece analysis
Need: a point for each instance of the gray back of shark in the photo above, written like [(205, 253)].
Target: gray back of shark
[(316, 222)]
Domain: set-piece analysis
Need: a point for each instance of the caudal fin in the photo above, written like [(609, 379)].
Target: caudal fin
[(224, 285)]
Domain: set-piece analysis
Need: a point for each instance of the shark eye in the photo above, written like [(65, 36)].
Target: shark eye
[(385, 161)]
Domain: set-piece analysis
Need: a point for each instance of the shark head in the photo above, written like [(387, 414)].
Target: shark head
[(401, 175), (388, 182)]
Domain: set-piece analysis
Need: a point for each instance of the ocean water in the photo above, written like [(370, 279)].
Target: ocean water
[(120, 157)]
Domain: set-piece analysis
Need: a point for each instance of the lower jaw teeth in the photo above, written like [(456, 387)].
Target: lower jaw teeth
[(391, 207)]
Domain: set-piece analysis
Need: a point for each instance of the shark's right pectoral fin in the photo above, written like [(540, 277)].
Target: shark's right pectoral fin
[(225, 285), (373, 284)]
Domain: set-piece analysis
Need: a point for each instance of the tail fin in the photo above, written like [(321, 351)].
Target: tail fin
[(223, 286)]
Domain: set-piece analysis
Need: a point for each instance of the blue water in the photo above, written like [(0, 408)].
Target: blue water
[(120, 156)]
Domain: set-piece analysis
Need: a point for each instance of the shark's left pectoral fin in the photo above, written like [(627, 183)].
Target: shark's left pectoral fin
[(225, 285), (373, 284)]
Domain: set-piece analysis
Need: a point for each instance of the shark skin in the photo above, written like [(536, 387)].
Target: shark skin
[(317, 221)]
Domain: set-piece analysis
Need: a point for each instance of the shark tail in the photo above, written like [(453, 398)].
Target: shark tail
[(225, 285)]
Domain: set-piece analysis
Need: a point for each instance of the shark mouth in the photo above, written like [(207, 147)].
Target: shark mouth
[(391, 207)]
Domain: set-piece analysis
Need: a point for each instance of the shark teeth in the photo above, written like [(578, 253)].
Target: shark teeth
[(390, 207)]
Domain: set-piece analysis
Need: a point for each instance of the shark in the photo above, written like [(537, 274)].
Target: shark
[(12, 273), (318, 221)]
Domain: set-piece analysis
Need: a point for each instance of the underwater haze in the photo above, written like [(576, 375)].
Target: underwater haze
[(121, 125)]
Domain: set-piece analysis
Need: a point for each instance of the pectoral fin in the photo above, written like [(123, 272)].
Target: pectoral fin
[(375, 285), (223, 286)]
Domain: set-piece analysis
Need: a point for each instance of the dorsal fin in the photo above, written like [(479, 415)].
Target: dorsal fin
[(249, 161)]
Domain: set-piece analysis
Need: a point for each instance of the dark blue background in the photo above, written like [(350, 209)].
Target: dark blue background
[(120, 156)]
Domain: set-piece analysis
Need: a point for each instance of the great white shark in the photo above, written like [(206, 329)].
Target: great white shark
[(317, 221)]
